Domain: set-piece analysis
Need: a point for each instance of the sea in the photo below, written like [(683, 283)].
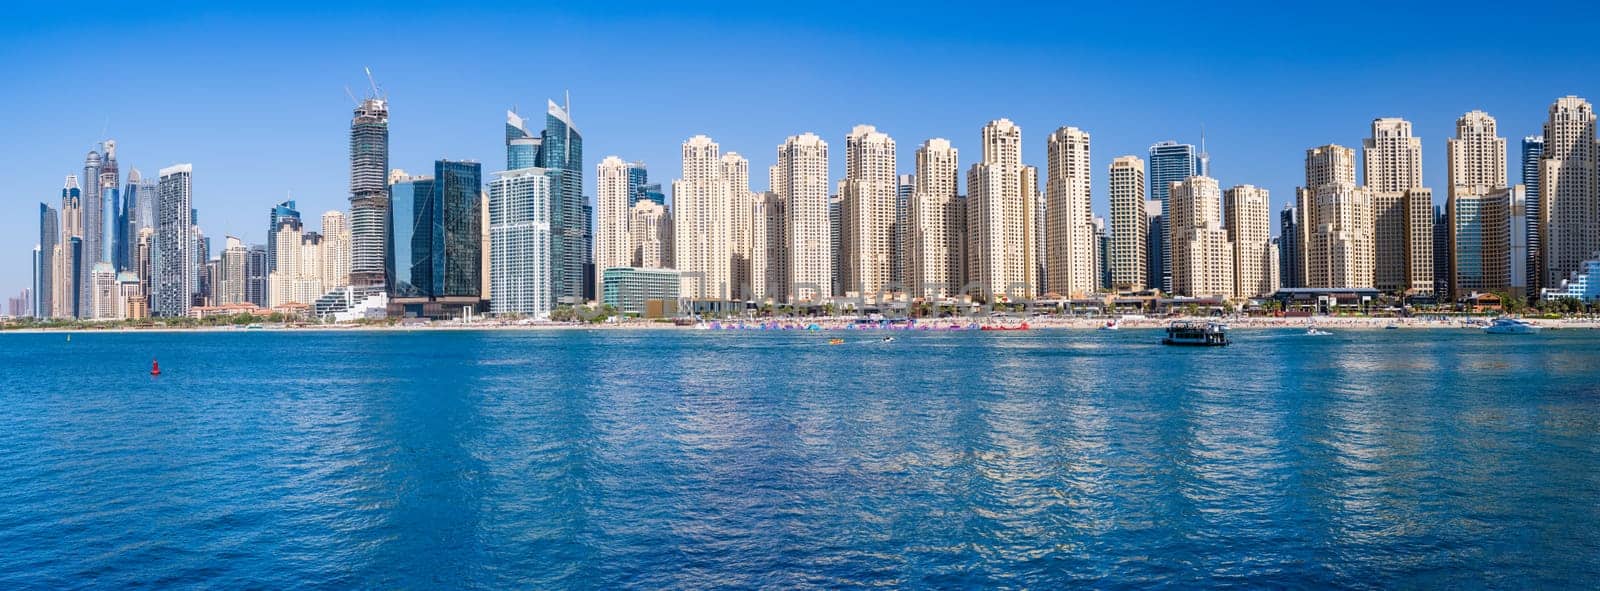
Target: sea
[(679, 459)]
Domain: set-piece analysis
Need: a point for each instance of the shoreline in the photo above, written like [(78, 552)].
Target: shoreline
[(843, 324)]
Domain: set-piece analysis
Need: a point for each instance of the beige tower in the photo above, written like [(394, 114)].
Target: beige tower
[(700, 222), (1130, 224), (800, 178), (1341, 241), (1245, 209), (1567, 187), (933, 265), (1202, 258), (1402, 208), (335, 250), (866, 211), (1000, 217), (649, 235), (611, 218), (736, 172), (1069, 242), (1477, 154)]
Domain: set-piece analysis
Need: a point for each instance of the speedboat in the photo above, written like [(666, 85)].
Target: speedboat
[(1315, 332), (1197, 334), (1511, 326), (1110, 326)]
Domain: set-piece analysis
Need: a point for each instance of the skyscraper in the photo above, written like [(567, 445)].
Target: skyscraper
[(1130, 226), (735, 170), (49, 253), (1202, 256), (411, 241), (1001, 205), (700, 214), (800, 178), (867, 212), (1069, 240), (561, 156), (934, 268), (1291, 258), (67, 273), (232, 273), (279, 213), (173, 264), (1245, 213), (91, 230), (1532, 153), (519, 243), (255, 275), (369, 192), (336, 251), (900, 238), (1170, 162), (650, 236), (613, 193), (1487, 246), (1568, 185), (457, 234), (1402, 208)]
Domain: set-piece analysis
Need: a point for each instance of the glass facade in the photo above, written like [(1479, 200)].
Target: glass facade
[(522, 149), (1170, 162), (411, 236), (457, 229), (1532, 152), (628, 288)]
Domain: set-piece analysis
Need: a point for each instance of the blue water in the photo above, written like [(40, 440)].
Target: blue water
[(600, 460)]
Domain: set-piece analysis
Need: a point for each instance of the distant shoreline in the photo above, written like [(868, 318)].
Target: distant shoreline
[(838, 324)]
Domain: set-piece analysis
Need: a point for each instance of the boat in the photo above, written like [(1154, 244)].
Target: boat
[(1197, 334), (1511, 326), (1315, 332), (1392, 327), (835, 341), (1110, 326)]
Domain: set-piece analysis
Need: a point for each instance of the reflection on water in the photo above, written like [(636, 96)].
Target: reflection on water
[(696, 460)]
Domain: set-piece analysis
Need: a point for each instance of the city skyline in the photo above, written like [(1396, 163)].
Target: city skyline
[(296, 128)]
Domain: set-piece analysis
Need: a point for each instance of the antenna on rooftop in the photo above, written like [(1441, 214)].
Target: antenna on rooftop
[(1205, 157)]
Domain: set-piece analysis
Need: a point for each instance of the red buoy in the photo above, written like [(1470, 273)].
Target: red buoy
[(155, 368)]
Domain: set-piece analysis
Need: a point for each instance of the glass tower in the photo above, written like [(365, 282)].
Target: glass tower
[(1532, 152), (411, 241), (457, 234), (1170, 162), (561, 155)]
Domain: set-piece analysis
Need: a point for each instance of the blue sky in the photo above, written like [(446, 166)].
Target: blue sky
[(254, 96)]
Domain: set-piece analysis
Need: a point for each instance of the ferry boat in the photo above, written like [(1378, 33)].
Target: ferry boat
[(1197, 334), (1511, 326)]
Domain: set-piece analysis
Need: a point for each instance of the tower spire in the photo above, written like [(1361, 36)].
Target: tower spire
[(1205, 157)]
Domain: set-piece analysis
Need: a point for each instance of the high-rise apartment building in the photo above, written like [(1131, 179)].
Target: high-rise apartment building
[(800, 178), (701, 210), (561, 156), (1069, 239), (613, 197), (1170, 162), (1568, 188), (285, 209), (256, 275), (1291, 245), (1532, 154), (649, 236), (933, 233), (519, 242), (48, 262), (336, 251), (1245, 211), (867, 212), (173, 263), (369, 193), (1477, 155), (1402, 208), (1130, 225), (232, 273), (1001, 204), (900, 237), (1202, 256), (1488, 244), (522, 146), (735, 170), (1339, 251)]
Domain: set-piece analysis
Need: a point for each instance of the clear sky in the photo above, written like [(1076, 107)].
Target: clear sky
[(254, 94)]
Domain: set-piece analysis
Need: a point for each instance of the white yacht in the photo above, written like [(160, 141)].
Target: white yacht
[(1504, 325)]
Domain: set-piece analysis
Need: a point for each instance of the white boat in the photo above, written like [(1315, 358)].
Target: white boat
[(1315, 332), (1113, 325), (1511, 326)]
